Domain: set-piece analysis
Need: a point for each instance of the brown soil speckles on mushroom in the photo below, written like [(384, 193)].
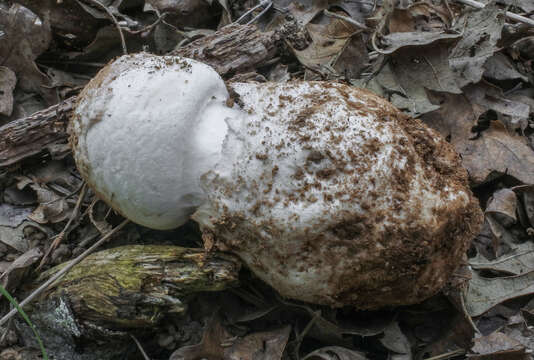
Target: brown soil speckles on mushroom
[(367, 207)]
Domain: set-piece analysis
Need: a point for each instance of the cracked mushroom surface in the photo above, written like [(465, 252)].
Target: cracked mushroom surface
[(327, 192)]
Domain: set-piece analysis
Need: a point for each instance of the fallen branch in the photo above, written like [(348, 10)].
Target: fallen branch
[(509, 14)]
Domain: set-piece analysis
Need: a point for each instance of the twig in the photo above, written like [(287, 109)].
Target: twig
[(62, 272), (509, 14), (61, 235), (451, 13), (117, 25), (265, 3), (448, 355), (345, 18), (140, 347)]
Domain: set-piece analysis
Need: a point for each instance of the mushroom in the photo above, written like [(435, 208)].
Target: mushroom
[(326, 192)]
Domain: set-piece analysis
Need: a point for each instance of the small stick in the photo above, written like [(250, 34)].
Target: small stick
[(140, 347), (62, 272), (346, 18), (123, 42), (509, 14), (60, 236)]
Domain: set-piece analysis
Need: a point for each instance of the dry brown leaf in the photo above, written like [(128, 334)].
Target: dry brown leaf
[(497, 152), (493, 153), (497, 346), (335, 353), (211, 346), (328, 41), (266, 345), (481, 29), (26, 37), (484, 293)]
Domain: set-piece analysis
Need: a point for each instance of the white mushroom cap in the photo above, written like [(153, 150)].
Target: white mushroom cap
[(144, 130)]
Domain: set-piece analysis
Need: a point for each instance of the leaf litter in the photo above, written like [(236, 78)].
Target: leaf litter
[(466, 72)]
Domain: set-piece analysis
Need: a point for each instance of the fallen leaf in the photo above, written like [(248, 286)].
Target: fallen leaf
[(393, 42), (335, 353), (497, 346), (513, 114), (522, 333), (484, 293), (496, 152), (395, 341), (26, 37), (8, 80), (211, 346), (328, 42), (52, 207), (526, 196), (13, 274), (518, 261), (12, 216), (419, 70), (265, 345), (14, 237), (478, 43), (500, 67), (190, 13), (503, 205)]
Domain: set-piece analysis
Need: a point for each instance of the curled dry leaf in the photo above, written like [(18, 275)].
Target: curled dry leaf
[(503, 205), (13, 274)]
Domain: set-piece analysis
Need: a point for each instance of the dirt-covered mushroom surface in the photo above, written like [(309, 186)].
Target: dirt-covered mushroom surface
[(333, 196)]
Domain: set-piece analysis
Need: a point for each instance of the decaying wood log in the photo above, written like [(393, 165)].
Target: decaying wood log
[(90, 312), (134, 286), (232, 49), (31, 135)]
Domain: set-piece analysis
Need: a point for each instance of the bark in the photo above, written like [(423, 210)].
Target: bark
[(233, 49)]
